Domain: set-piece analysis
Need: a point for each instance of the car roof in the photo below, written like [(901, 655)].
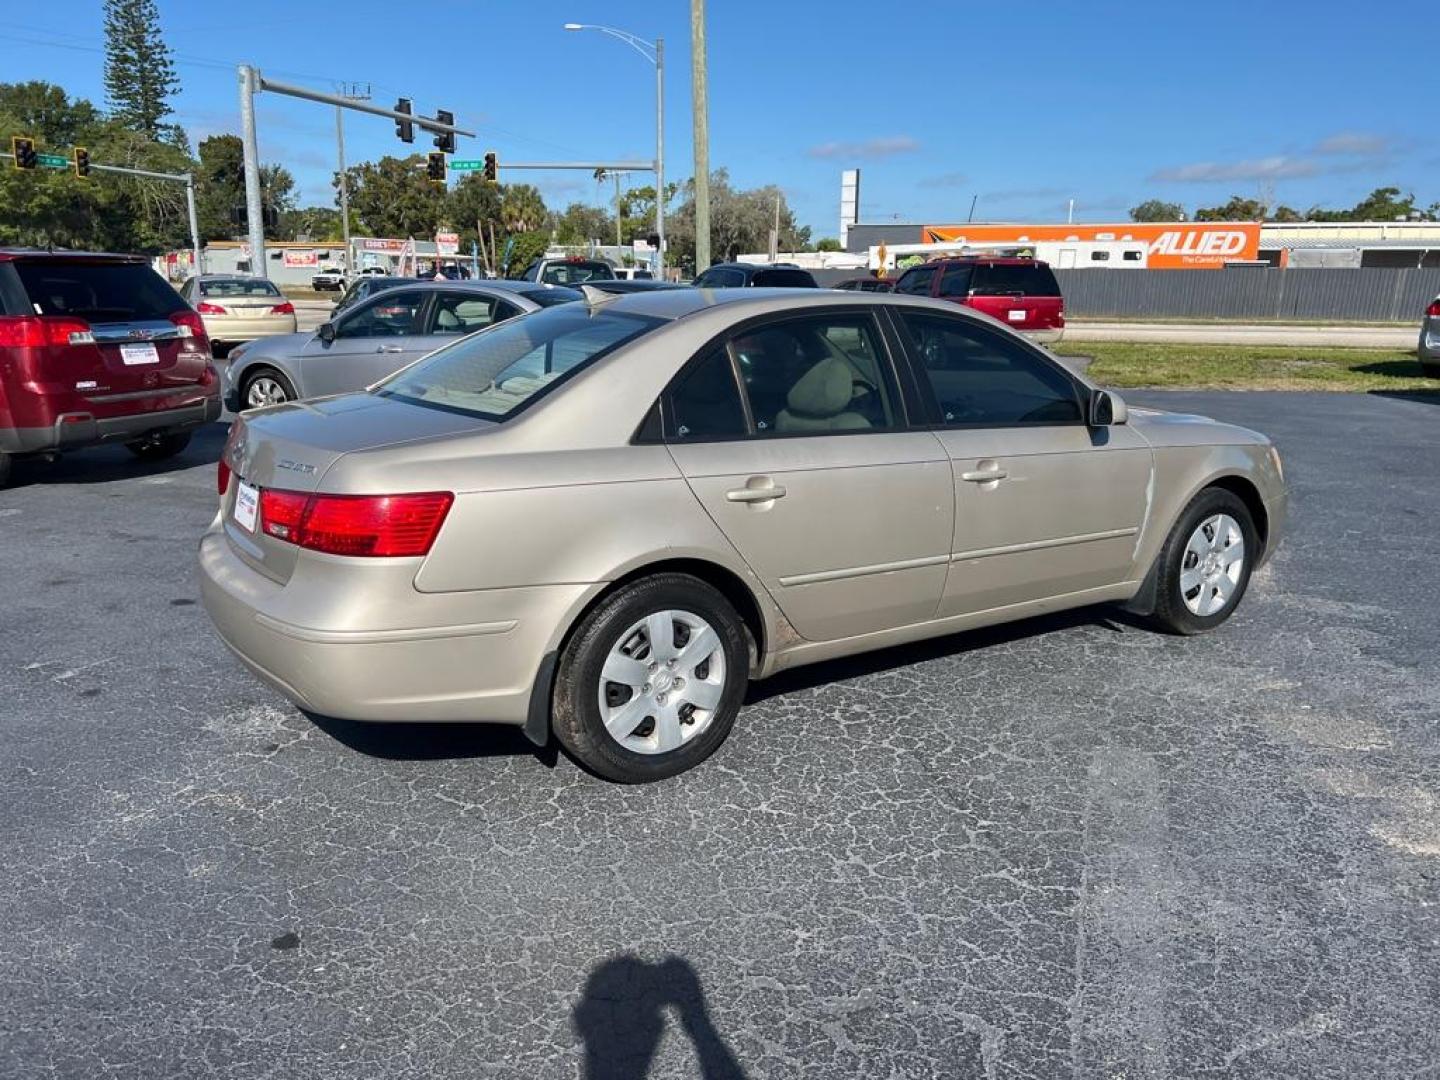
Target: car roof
[(977, 260), (8, 254), (672, 304)]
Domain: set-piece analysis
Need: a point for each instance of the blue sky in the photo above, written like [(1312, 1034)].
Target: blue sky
[(1024, 106)]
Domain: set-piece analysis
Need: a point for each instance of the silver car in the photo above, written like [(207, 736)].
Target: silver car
[(603, 520), (1429, 345), (374, 338)]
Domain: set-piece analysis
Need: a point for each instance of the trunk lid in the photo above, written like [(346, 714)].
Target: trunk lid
[(291, 447)]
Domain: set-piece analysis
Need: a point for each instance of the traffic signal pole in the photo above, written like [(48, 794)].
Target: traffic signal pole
[(180, 178), (252, 83)]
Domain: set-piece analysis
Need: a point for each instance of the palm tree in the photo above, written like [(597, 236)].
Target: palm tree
[(521, 208)]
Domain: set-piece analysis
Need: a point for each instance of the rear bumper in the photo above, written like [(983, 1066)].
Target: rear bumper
[(1277, 512), (358, 642), (1428, 347), (233, 331), (73, 430)]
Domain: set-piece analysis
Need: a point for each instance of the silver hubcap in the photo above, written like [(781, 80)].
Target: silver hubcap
[(662, 682), (265, 391), (1214, 559)]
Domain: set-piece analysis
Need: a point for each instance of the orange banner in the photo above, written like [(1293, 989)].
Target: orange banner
[(1183, 245)]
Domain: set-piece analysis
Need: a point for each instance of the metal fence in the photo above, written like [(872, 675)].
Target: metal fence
[(1331, 295)]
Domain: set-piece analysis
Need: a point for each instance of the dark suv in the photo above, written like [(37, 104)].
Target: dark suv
[(98, 348), (1022, 293), (754, 275)]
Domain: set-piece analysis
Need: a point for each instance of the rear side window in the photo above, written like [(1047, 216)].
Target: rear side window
[(1018, 279), (955, 281), (98, 292), (705, 402), (782, 279), (916, 282), (981, 379)]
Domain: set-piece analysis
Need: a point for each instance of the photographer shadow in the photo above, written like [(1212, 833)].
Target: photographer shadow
[(622, 1017)]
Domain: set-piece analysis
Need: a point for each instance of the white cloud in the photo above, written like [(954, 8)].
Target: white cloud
[(1275, 167), (944, 180), (869, 149), (1358, 143)]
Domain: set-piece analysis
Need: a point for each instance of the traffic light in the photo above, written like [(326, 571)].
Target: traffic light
[(404, 129), (491, 166), (435, 168), (82, 161), (445, 140), (24, 151)]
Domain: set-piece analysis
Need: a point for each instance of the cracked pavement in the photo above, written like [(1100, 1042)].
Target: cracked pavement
[(1063, 848)]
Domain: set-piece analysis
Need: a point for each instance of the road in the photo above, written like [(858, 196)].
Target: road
[(311, 313), (1069, 848), (1370, 337)]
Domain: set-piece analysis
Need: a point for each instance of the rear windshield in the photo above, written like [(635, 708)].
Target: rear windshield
[(98, 292), (551, 297), (1027, 280), (238, 287), (495, 373), (782, 279), (568, 273)]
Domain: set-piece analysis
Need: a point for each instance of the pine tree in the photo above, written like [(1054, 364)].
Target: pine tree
[(139, 72)]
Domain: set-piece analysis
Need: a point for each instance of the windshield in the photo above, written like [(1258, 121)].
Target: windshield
[(238, 287), (99, 292), (496, 372)]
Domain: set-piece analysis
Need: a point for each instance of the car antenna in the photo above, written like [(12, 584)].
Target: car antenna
[(596, 297)]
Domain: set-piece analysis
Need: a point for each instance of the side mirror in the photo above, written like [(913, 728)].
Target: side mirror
[(1107, 408), (326, 332)]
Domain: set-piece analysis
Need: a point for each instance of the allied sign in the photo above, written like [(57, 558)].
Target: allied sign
[(1179, 245)]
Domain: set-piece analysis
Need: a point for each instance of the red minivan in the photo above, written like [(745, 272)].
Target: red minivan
[(98, 348), (1022, 293)]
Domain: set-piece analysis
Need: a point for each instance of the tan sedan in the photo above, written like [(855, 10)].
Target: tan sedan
[(235, 308), (603, 519)]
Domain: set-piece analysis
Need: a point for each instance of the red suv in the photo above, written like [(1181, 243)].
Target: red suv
[(98, 348), (1021, 293)]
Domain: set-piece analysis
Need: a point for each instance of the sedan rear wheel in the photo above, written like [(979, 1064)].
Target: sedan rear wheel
[(652, 679), (266, 387), (1205, 564)]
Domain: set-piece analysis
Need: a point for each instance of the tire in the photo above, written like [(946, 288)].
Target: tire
[(615, 639), (5, 460), (267, 386), (160, 447), (1201, 579)]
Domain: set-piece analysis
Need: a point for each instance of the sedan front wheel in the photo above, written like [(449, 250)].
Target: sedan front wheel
[(1206, 563)]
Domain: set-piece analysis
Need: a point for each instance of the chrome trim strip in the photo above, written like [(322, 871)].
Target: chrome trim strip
[(371, 637), (1040, 545), (864, 571)]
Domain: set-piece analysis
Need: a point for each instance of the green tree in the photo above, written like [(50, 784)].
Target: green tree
[(740, 221), (139, 72), (392, 198), (1237, 209), (521, 208), (581, 223), (1286, 215), (311, 223), (220, 188), (474, 205), (828, 243), (1157, 210)]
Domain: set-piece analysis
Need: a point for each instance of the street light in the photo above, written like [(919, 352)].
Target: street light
[(653, 51)]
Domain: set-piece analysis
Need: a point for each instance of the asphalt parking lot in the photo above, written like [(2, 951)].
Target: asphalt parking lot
[(1066, 848)]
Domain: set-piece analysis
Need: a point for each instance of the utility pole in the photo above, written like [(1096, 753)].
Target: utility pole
[(353, 93), (660, 155), (619, 236), (194, 224), (701, 123), (1070, 214)]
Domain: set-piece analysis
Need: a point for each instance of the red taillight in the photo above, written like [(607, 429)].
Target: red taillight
[(222, 477), (1433, 310), (189, 321), (368, 525), (38, 331), (210, 309), (287, 308)]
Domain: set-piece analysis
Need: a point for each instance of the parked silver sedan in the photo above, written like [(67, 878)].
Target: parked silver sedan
[(366, 342), (602, 520), (1429, 344)]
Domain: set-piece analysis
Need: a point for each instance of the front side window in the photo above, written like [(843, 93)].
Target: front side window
[(981, 379), (394, 313), (495, 374), (815, 375)]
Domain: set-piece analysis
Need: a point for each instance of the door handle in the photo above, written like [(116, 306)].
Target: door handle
[(389, 349), (756, 493), (984, 476)]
